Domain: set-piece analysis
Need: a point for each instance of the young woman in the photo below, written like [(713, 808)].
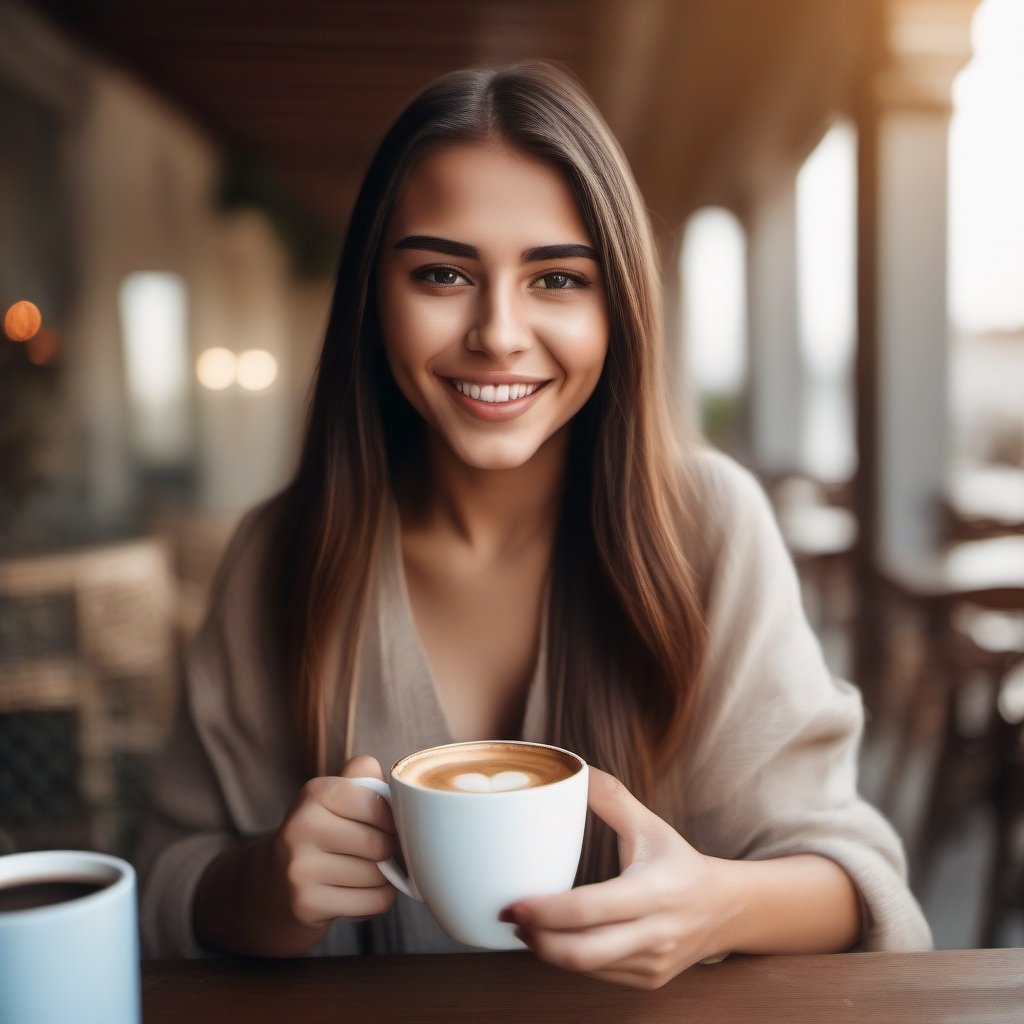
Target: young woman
[(493, 533)]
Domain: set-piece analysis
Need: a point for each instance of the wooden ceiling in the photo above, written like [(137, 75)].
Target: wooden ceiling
[(706, 95)]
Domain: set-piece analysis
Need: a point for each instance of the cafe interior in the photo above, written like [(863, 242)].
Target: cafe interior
[(837, 191)]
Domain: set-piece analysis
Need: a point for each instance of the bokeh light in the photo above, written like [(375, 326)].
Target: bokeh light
[(215, 368), (257, 369), (22, 321), (41, 348)]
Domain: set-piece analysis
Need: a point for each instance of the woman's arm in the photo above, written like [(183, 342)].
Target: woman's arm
[(239, 909), (671, 906), (803, 903)]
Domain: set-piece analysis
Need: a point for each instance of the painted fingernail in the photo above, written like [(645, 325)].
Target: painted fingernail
[(508, 915), (522, 935), (521, 914)]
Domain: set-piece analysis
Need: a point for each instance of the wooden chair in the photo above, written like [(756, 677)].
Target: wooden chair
[(110, 657), (1005, 888), (952, 593), (974, 637), (983, 501), (820, 531), (196, 541)]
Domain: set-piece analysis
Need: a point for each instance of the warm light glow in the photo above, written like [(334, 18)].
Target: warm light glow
[(41, 347), (22, 321), (215, 368), (154, 330), (986, 175), (257, 369), (715, 300)]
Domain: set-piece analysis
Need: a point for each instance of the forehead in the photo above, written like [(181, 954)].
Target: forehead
[(488, 192)]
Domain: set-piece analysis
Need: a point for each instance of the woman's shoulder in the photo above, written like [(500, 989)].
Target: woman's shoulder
[(725, 498), (246, 559)]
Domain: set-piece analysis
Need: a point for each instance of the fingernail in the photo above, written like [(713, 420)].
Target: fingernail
[(522, 935), (515, 914)]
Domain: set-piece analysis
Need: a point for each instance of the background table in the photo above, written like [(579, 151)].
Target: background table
[(965, 986)]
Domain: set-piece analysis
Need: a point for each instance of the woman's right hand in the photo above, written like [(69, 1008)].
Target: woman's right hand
[(278, 893), (325, 853)]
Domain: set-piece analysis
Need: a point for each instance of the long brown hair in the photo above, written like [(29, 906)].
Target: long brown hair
[(626, 635)]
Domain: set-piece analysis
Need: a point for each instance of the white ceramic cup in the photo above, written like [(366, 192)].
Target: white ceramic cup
[(75, 962), (471, 854)]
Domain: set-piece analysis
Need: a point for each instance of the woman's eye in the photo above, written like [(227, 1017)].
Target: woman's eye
[(561, 282), (440, 275)]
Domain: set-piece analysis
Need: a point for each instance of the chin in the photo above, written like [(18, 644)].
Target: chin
[(495, 455)]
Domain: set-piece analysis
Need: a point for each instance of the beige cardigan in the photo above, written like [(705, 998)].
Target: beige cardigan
[(770, 770)]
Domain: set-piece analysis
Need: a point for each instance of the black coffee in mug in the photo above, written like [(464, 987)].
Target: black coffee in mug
[(69, 939), (30, 893)]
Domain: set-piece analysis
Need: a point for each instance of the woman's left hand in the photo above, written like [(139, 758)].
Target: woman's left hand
[(667, 909)]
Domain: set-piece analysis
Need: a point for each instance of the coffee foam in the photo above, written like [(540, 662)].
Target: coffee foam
[(493, 767)]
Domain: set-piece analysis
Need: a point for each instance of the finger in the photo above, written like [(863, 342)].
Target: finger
[(613, 803), (361, 766), (619, 899), (604, 946), (364, 765), (343, 870), (330, 901), (336, 835), (345, 799)]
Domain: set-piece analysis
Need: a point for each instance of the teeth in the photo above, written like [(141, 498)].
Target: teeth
[(495, 393)]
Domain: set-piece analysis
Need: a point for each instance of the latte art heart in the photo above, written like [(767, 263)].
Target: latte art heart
[(486, 766), (502, 782)]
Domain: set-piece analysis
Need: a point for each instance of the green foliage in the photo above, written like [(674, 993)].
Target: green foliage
[(720, 413)]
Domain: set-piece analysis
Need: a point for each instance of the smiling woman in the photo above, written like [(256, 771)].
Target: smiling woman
[(497, 532), (500, 350)]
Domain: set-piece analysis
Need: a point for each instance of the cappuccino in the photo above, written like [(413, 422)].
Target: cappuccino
[(482, 824), (490, 766)]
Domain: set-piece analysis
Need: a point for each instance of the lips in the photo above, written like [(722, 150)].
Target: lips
[(494, 408)]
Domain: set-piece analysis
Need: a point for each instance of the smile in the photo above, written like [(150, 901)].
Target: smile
[(493, 402), (495, 393)]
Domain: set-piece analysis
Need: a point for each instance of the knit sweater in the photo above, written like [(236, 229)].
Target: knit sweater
[(769, 769)]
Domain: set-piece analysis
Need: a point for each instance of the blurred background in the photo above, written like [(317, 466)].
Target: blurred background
[(838, 192)]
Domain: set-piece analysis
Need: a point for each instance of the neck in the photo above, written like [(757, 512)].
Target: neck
[(495, 512)]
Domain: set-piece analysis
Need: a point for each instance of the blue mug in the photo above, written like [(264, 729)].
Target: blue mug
[(69, 939)]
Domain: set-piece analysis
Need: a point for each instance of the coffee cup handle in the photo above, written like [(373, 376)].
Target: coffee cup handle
[(389, 868)]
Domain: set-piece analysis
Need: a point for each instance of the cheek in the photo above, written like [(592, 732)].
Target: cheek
[(415, 330), (580, 343)]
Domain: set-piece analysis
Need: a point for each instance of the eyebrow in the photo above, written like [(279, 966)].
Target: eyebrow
[(561, 251)]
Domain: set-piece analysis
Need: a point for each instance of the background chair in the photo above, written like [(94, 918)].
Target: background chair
[(88, 640)]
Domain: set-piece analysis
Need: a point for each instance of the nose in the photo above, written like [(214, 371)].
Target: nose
[(500, 328)]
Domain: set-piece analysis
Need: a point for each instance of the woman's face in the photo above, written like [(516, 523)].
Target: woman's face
[(491, 302)]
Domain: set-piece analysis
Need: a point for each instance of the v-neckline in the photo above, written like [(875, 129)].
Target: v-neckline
[(532, 725)]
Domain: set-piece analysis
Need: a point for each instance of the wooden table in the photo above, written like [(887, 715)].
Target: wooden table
[(961, 569), (986, 575), (990, 494), (965, 986)]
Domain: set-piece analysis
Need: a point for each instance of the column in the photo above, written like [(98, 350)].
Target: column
[(928, 43), (902, 110), (775, 378)]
